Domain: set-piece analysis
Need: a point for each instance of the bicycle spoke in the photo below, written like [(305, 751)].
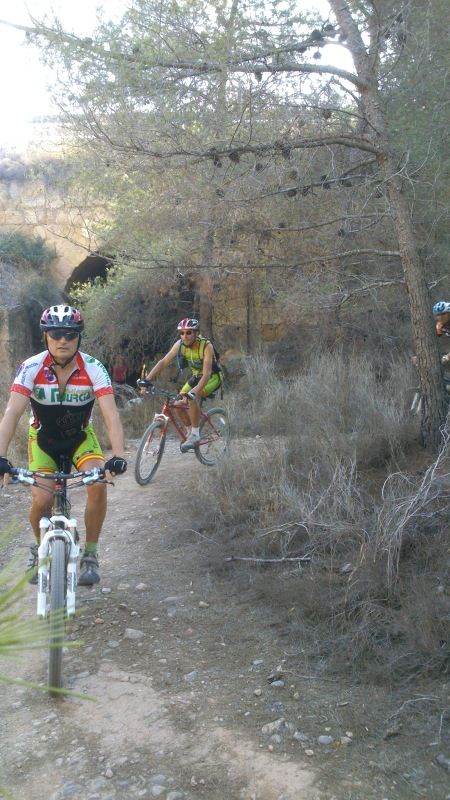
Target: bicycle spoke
[(150, 452), (214, 437)]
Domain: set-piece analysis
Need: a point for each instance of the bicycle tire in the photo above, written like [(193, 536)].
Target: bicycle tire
[(56, 613), (150, 452), (214, 437)]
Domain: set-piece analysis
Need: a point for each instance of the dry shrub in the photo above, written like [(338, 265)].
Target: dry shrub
[(345, 408), (264, 403), (411, 504), (371, 595), (340, 404)]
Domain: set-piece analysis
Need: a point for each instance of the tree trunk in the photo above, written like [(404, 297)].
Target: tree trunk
[(434, 405)]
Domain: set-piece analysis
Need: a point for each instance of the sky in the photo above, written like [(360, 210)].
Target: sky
[(24, 93), (24, 81)]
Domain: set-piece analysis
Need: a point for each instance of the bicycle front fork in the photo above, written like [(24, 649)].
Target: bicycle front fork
[(68, 535)]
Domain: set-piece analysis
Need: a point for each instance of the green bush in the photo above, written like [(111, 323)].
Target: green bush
[(22, 250), (145, 302)]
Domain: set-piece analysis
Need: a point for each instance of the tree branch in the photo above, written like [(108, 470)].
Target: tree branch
[(268, 560)]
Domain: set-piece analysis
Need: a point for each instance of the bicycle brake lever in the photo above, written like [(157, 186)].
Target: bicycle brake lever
[(21, 478)]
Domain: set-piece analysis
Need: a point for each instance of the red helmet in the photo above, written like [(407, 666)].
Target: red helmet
[(61, 317), (188, 324)]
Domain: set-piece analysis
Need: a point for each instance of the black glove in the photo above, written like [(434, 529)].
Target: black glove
[(116, 465), (5, 466), (191, 395)]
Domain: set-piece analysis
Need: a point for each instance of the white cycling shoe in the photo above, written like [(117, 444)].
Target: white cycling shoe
[(192, 441)]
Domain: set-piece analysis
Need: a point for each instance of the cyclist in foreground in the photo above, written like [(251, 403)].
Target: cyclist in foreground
[(206, 376), (62, 385)]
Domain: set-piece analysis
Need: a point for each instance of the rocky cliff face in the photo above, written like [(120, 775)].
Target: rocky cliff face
[(235, 310), (34, 208)]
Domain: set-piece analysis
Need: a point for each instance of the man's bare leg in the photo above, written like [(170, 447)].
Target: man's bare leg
[(94, 517), (41, 505)]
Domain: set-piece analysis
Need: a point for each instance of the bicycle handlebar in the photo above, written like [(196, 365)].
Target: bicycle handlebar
[(95, 475), (151, 388)]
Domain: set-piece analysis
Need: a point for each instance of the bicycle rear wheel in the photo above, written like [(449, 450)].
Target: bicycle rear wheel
[(57, 613), (214, 437), (150, 452)]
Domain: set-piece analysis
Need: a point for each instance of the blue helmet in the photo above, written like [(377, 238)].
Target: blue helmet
[(441, 307)]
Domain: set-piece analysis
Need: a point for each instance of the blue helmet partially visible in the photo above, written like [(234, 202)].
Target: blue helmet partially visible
[(441, 307)]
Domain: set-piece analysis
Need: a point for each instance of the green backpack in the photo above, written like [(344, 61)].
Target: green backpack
[(182, 361)]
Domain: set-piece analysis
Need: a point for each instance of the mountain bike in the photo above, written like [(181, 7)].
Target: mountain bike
[(214, 436), (58, 553)]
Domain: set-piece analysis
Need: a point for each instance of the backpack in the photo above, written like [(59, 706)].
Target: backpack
[(182, 361)]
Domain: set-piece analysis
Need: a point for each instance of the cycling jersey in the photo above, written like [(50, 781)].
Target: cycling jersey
[(61, 421), (195, 354)]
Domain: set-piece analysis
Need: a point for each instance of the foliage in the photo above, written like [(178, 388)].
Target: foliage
[(22, 250), (15, 634), (134, 313)]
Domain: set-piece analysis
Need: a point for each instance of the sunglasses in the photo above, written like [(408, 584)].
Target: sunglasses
[(187, 333), (57, 335)]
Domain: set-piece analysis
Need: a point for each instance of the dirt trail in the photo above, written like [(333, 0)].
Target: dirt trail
[(178, 656)]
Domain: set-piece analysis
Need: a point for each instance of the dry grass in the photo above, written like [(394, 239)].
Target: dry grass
[(371, 595)]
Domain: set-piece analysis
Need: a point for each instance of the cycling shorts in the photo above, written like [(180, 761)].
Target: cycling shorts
[(213, 384), (39, 459)]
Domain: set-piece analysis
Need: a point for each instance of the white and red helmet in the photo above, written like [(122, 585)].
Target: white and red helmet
[(61, 317), (188, 324)]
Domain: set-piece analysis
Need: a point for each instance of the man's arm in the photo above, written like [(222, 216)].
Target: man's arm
[(13, 412), (113, 423), (163, 362)]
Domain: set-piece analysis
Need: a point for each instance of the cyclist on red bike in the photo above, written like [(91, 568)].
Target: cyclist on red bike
[(62, 385), (198, 353)]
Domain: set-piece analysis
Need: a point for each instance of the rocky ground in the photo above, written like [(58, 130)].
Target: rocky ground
[(196, 693)]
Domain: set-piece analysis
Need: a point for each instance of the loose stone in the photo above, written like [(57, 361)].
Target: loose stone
[(325, 740), (132, 633)]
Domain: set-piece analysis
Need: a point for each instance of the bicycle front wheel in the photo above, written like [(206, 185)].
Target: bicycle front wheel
[(57, 613), (150, 452), (214, 436)]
